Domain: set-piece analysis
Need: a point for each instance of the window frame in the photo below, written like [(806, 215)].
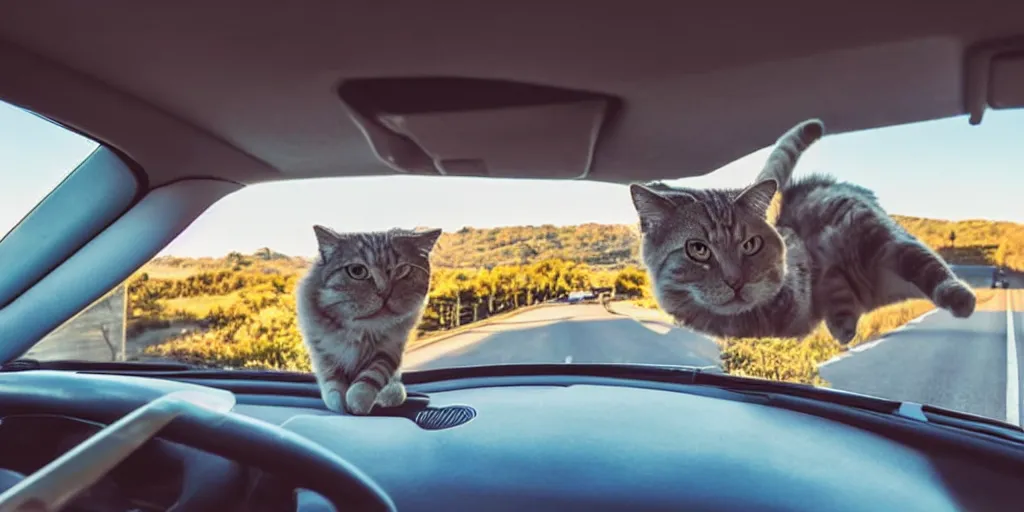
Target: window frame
[(94, 194)]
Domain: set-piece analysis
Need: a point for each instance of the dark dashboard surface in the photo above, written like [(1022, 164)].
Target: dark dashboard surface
[(590, 447), (576, 443)]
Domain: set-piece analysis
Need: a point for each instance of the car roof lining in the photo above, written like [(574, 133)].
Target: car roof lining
[(250, 96)]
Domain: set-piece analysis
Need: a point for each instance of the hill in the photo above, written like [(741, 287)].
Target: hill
[(600, 246), (265, 261), (597, 245), (974, 242)]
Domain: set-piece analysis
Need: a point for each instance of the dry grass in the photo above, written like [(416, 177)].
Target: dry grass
[(168, 272), (797, 360), (882, 320), (646, 302), (200, 306), (794, 360)]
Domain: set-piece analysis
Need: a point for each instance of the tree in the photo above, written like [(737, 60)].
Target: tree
[(631, 282), (1001, 254), (952, 238)]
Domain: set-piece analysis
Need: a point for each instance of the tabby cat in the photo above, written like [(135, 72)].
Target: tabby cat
[(720, 266), (356, 308)]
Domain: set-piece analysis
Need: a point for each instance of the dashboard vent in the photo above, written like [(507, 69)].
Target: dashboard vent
[(439, 418)]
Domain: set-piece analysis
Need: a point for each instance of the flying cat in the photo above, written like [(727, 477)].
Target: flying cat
[(719, 266), (356, 308)]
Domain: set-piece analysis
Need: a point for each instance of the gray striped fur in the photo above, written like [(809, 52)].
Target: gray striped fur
[(832, 253), (356, 308)]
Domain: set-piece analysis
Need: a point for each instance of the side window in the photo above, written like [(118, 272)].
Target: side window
[(96, 334), (37, 155)]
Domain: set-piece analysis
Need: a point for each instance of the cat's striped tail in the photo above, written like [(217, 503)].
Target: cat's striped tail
[(788, 149)]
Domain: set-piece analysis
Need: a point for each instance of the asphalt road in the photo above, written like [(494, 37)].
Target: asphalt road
[(978, 276), (960, 364), (584, 333)]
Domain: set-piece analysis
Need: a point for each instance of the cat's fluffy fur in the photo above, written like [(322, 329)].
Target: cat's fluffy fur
[(718, 266), (356, 308)]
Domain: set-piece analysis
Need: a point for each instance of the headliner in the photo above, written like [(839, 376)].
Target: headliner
[(249, 95)]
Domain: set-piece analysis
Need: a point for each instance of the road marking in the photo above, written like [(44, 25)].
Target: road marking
[(918, 319), (872, 344), (1012, 371), (568, 359)]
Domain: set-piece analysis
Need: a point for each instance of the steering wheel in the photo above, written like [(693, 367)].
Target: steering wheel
[(193, 415)]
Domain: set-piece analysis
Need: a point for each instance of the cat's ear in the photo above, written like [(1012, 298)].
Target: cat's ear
[(653, 208), (757, 198), (419, 243), (327, 241)]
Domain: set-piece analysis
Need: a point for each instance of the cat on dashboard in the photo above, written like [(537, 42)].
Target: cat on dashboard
[(357, 306)]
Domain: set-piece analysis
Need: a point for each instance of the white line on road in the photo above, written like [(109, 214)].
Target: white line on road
[(918, 319), (864, 346), (1012, 371)]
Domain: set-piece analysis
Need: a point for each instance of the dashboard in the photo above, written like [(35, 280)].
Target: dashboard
[(559, 443)]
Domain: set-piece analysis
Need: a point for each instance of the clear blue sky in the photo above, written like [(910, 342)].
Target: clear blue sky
[(942, 169)]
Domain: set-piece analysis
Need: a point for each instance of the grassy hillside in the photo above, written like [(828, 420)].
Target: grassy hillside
[(976, 232), (601, 246), (597, 245), (238, 310), (972, 242)]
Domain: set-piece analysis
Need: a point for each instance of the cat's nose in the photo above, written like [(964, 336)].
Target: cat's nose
[(734, 282)]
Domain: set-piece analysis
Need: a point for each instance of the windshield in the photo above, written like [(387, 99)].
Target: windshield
[(551, 271)]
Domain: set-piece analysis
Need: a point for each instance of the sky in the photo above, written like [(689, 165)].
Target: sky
[(941, 169)]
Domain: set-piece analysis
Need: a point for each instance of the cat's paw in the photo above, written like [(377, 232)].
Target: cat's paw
[(334, 400), (842, 327), (955, 296), (392, 395), (360, 398)]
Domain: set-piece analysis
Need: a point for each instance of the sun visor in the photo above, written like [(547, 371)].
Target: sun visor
[(995, 77), (468, 127)]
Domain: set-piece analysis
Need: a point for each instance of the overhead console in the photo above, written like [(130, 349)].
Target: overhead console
[(478, 127)]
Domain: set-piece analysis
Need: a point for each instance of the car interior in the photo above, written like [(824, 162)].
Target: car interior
[(192, 101)]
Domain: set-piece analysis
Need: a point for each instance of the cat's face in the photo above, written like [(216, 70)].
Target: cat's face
[(711, 249), (374, 279)]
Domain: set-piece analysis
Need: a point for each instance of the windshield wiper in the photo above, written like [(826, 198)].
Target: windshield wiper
[(694, 375), (714, 377), (24, 364), (168, 370), (911, 410), (973, 422)]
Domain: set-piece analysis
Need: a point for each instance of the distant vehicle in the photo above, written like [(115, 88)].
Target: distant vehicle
[(578, 296), (999, 279)]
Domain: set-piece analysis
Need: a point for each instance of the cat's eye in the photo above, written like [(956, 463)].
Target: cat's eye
[(752, 245), (699, 251), (357, 271)]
